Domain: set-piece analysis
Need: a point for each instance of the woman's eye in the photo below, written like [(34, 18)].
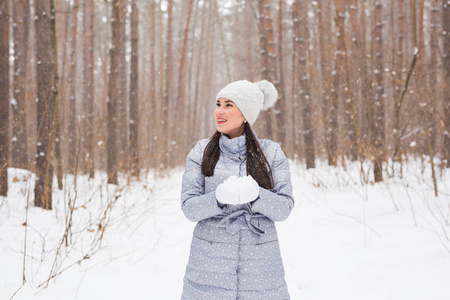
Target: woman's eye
[(229, 105)]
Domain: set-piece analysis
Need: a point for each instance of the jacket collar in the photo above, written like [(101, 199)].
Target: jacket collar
[(234, 148)]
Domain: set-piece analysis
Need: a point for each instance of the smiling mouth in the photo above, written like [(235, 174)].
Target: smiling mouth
[(221, 121)]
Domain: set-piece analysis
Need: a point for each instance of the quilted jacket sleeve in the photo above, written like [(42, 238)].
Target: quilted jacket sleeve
[(277, 203), (195, 204)]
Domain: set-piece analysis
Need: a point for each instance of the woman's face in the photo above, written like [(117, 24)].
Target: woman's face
[(229, 119)]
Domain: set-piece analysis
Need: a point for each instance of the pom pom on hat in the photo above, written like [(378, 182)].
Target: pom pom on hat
[(270, 93), (250, 97)]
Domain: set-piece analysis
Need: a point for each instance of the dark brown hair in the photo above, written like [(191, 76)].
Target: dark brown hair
[(257, 165)]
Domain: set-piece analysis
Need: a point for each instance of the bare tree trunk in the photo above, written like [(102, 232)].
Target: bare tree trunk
[(430, 110), (398, 66), (209, 69), (299, 14), (378, 129), (105, 39), (366, 85), (284, 117), (168, 85), (190, 82), (153, 104), (434, 50), (46, 87), (88, 89), (199, 66), (181, 99), (263, 52), (329, 101), (73, 129), (65, 65), (21, 15), (297, 142), (433, 75), (426, 102), (56, 133), (421, 24), (249, 58), (113, 92), (352, 134), (273, 116), (446, 79), (222, 40), (162, 144), (122, 104), (268, 61), (4, 96), (359, 79), (134, 90)]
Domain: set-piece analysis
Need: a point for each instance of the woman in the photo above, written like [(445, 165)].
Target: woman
[(235, 252)]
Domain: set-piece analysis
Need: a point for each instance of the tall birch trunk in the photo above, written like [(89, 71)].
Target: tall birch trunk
[(268, 61), (73, 129), (153, 104), (329, 101), (56, 133), (122, 104), (433, 65), (303, 96), (351, 129), (113, 93), (88, 89), (366, 84), (162, 145), (378, 129), (446, 79), (181, 99), (167, 124), (4, 96), (398, 74), (134, 90), (284, 117), (46, 91), (200, 62), (21, 16)]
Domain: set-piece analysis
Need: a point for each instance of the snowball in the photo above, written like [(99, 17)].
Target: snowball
[(227, 193), (248, 189), (237, 190)]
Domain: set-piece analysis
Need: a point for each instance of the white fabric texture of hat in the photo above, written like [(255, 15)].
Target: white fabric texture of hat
[(250, 97)]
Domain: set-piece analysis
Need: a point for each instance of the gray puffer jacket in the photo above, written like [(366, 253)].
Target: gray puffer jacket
[(234, 251)]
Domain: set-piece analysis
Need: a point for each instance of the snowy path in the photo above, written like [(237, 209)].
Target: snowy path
[(335, 245)]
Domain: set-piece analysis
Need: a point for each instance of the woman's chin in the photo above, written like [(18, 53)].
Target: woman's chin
[(221, 128)]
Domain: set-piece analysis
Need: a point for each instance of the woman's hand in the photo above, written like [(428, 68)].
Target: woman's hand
[(237, 190)]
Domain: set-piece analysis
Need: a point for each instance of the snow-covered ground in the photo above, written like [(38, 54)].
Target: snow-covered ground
[(343, 240)]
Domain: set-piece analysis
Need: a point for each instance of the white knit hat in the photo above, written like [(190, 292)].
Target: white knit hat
[(250, 97)]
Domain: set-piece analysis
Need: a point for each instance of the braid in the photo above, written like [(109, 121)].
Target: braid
[(257, 165), (211, 155)]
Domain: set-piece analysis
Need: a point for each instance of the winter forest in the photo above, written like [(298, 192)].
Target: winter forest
[(101, 101)]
